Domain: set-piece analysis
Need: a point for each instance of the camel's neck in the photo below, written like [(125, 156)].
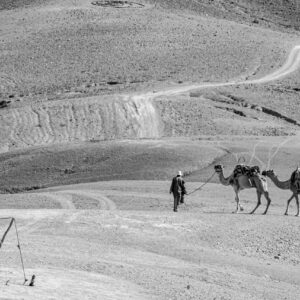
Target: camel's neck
[(284, 185), (223, 180)]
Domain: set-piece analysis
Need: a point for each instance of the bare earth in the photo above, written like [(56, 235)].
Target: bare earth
[(121, 240), (101, 106)]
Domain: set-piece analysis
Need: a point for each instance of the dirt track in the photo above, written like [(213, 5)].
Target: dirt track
[(290, 66)]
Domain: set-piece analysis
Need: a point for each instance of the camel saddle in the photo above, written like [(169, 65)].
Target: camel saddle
[(248, 171), (245, 170)]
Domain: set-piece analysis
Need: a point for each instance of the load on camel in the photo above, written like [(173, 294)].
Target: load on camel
[(245, 177), (292, 184)]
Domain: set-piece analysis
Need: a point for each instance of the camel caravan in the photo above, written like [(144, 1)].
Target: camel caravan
[(246, 177)]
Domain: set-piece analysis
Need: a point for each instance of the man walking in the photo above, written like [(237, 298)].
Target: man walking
[(178, 190)]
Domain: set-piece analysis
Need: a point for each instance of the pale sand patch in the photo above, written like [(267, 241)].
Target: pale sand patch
[(67, 284)]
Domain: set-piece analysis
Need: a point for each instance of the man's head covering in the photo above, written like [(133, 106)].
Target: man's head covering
[(179, 173)]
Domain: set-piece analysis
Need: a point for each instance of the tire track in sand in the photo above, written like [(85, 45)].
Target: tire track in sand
[(105, 203), (64, 200)]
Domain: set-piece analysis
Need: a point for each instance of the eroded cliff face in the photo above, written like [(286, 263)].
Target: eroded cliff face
[(78, 120), (136, 117)]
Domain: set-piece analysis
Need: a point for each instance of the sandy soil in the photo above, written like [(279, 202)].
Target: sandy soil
[(202, 252)]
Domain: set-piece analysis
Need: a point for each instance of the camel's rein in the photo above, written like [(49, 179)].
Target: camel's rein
[(202, 185)]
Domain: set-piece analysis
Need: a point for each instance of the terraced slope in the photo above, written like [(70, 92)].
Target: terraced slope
[(78, 120)]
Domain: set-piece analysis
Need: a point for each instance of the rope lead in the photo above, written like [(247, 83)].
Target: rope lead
[(201, 186)]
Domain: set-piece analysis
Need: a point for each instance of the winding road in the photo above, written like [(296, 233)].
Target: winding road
[(291, 65)]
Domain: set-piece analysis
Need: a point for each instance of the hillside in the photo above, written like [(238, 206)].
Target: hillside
[(101, 103), (277, 14), (78, 76), (54, 50), (149, 159)]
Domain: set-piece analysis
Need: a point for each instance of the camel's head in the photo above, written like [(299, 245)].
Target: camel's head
[(268, 173), (218, 168), (297, 173)]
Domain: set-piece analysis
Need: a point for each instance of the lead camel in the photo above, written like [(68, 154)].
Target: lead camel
[(242, 182)]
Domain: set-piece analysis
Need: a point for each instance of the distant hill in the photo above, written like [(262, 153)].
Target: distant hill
[(64, 49), (269, 13), (13, 4)]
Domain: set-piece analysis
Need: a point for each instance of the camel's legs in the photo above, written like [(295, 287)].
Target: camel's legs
[(297, 202), (237, 203), (288, 203), (238, 206), (258, 202), (266, 194)]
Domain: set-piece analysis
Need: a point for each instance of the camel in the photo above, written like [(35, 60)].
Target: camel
[(242, 182), (292, 184)]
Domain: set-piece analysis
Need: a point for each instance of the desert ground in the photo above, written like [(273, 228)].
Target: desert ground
[(102, 102)]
